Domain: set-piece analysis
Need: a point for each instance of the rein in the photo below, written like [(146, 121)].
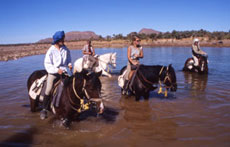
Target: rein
[(83, 106), (147, 81), (167, 77), (151, 83)]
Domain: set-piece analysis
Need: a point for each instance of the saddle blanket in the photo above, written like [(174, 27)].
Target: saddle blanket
[(121, 79), (36, 87)]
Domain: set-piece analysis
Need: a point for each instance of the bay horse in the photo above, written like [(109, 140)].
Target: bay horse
[(147, 76), (81, 91), (104, 63), (202, 68)]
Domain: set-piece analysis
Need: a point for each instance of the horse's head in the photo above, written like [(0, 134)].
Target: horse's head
[(169, 78), (109, 58), (92, 88), (203, 62), (113, 58), (92, 84)]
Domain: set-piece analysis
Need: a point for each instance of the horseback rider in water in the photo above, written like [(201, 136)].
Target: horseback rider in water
[(197, 52), (88, 52), (134, 53), (57, 61)]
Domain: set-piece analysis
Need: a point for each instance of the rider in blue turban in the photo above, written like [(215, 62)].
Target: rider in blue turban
[(58, 36), (57, 61)]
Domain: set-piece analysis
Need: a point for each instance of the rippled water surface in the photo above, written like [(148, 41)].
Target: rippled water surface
[(198, 115)]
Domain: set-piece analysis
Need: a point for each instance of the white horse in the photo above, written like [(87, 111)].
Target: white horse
[(104, 61)]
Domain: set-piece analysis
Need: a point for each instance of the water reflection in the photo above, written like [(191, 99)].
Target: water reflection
[(22, 138), (142, 119), (195, 81)]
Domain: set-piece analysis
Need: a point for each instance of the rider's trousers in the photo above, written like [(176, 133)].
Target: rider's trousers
[(50, 82), (196, 61)]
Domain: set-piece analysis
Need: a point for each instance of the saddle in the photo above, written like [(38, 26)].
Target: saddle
[(38, 88), (122, 81)]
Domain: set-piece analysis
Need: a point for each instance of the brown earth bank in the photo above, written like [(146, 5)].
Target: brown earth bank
[(16, 51)]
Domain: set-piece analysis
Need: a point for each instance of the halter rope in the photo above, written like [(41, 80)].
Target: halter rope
[(83, 106), (166, 78)]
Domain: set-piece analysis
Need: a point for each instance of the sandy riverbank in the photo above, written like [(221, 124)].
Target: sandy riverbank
[(13, 52)]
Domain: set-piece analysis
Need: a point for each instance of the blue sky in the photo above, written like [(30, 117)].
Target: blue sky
[(27, 21)]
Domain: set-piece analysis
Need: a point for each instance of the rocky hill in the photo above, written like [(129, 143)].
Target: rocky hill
[(73, 36), (148, 31)]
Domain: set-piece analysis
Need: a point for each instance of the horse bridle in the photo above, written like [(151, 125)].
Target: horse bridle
[(83, 106), (167, 77), (108, 63)]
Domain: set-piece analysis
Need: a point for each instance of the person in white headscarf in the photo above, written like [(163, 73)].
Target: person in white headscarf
[(197, 52)]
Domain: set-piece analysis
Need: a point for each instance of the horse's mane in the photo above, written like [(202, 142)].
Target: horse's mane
[(152, 74), (150, 71), (84, 75), (69, 80), (95, 79)]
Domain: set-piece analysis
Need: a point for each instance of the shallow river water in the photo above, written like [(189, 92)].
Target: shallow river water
[(198, 114)]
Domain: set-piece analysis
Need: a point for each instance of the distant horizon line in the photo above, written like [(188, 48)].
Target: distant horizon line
[(104, 36)]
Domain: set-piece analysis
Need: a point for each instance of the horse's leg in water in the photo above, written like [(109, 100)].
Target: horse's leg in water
[(68, 117), (146, 96), (137, 97), (106, 73), (66, 122), (33, 104)]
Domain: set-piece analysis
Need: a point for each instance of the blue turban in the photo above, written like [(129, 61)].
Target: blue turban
[(59, 35)]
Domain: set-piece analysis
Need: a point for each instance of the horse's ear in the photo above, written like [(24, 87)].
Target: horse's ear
[(115, 53), (98, 74), (84, 73), (169, 67)]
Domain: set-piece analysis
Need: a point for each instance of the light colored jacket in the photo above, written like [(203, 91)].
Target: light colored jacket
[(86, 48), (55, 59), (196, 49)]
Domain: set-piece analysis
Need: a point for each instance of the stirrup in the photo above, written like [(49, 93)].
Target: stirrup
[(43, 114)]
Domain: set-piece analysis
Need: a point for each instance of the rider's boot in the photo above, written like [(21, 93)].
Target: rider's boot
[(126, 87), (43, 113)]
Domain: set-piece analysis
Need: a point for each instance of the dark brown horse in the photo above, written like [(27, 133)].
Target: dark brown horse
[(147, 76), (202, 68), (81, 91)]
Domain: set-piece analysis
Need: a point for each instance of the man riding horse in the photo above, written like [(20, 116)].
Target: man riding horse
[(197, 52), (57, 60), (89, 52), (134, 53)]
